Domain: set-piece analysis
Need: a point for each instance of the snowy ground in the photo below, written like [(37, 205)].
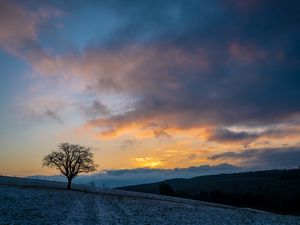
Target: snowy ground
[(25, 201)]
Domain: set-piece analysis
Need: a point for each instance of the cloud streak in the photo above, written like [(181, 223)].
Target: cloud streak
[(268, 158)]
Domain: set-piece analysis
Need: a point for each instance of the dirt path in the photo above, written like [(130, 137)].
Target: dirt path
[(84, 211), (96, 209)]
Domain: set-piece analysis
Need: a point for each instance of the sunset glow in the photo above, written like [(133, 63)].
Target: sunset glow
[(150, 84)]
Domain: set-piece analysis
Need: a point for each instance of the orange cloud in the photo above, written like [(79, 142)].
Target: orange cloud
[(116, 126), (148, 162)]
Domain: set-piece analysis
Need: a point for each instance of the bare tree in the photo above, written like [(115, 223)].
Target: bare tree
[(71, 160)]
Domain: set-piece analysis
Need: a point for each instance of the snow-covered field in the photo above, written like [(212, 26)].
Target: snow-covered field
[(27, 201)]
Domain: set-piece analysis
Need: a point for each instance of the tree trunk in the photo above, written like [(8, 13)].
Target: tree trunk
[(69, 183)]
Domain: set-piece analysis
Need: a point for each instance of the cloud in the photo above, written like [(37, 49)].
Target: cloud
[(267, 158), (129, 143), (195, 169), (19, 30), (52, 115), (18, 26), (44, 108), (96, 109), (192, 157), (235, 155), (224, 135), (239, 83), (43, 116), (224, 70), (148, 162)]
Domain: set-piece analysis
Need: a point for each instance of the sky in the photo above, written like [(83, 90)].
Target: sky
[(150, 84)]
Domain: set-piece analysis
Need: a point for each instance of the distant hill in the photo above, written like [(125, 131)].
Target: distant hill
[(126, 177), (273, 190)]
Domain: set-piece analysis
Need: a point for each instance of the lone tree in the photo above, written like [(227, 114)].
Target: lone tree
[(71, 160)]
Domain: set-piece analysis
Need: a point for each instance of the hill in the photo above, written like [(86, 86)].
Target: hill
[(274, 190), (29, 201)]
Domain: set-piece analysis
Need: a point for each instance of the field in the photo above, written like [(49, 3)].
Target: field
[(28, 201)]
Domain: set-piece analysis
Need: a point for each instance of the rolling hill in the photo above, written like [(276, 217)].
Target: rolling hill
[(29, 201), (273, 190)]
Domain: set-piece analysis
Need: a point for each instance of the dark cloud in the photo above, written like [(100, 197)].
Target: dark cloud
[(195, 169), (96, 109), (191, 157), (129, 143), (52, 116), (235, 155), (161, 133), (226, 135), (251, 53), (268, 158), (47, 115), (188, 63)]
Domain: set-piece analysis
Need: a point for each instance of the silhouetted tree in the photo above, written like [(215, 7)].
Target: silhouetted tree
[(166, 189), (71, 160)]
